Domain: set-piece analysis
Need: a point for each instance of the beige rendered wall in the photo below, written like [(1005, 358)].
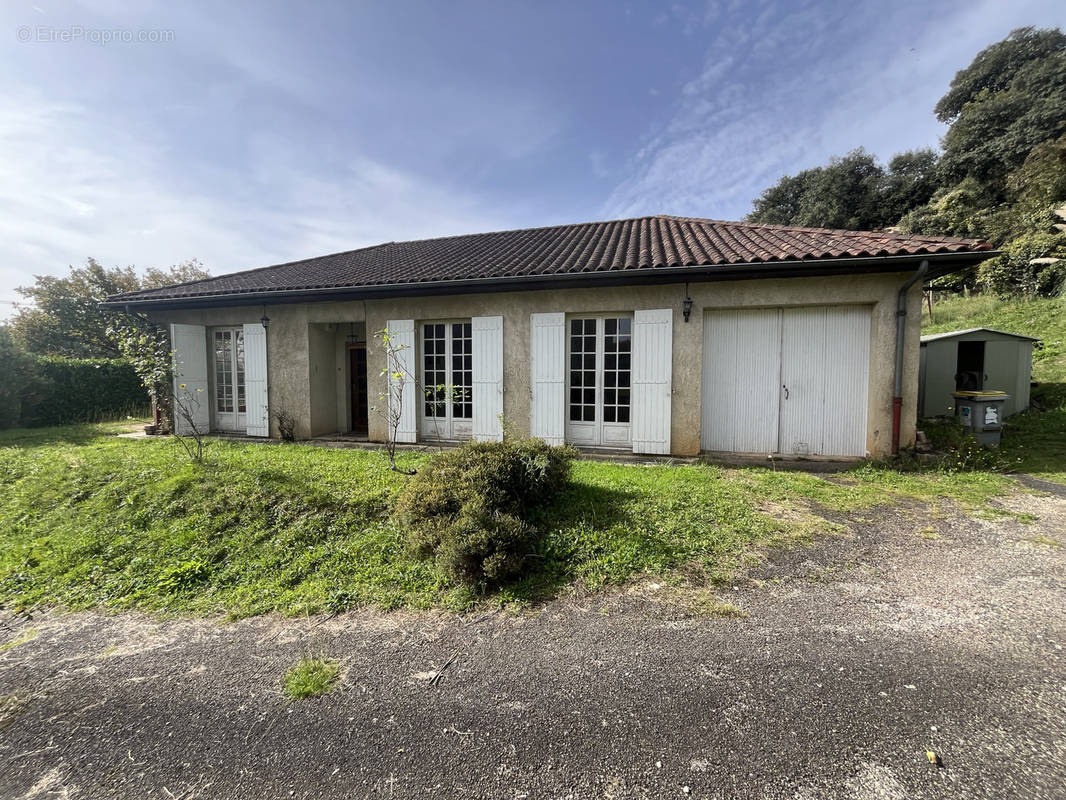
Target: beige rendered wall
[(289, 363)]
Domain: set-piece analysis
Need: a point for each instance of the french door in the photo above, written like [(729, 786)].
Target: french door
[(447, 380), (229, 401), (599, 350)]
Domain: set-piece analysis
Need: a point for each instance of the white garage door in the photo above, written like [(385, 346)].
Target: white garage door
[(791, 380)]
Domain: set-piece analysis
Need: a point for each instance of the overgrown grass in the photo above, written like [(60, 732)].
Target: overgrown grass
[(1036, 441), (310, 678), (92, 520)]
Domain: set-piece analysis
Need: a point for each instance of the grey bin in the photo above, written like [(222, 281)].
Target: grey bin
[(981, 414)]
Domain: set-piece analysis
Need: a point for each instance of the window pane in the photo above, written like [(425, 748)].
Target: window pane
[(623, 413), (610, 326), (608, 413)]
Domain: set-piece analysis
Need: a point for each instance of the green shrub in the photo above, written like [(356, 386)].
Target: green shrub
[(66, 390), (16, 373), (470, 508), (959, 451)]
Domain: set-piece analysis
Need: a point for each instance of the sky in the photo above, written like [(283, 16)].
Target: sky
[(251, 133)]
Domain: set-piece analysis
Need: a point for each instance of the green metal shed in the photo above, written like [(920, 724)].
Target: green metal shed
[(978, 359)]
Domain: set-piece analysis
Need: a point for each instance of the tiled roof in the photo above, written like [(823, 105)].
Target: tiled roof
[(644, 243)]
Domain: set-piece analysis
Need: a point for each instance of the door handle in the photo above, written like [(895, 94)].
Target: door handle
[(786, 391)]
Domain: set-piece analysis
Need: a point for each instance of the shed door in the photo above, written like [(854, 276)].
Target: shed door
[(786, 380)]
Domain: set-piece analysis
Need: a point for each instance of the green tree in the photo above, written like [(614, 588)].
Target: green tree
[(852, 192), (64, 316), (842, 194), (1008, 100)]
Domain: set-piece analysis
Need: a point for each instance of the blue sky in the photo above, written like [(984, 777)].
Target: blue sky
[(263, 132)]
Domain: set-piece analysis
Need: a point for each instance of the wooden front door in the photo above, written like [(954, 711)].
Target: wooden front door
[(360, 395)]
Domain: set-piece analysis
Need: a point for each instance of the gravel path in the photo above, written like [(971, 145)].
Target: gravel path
[(914, 630)]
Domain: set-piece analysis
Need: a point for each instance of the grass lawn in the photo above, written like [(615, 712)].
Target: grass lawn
[(93, 520), (1035, 441)]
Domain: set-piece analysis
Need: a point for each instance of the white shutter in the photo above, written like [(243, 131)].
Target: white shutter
[(487, 346), (404, 386), (547, 376), (189, 343), (652, 356), (255, 379)]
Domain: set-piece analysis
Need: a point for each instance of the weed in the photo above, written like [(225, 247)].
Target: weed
[(310, 677), (1046, 541), (27, 635)]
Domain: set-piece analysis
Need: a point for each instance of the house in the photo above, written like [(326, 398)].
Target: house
[(974, 360), (659, 334)]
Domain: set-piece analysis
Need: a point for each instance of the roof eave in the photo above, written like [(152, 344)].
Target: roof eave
[(940, 264)]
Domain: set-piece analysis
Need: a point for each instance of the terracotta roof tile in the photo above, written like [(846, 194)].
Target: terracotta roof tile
[(645, 243)]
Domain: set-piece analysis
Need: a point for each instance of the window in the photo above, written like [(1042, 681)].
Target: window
[(229, 378), (600, 354), (447, 378), (617, 354), (583, 370), (462, 371)]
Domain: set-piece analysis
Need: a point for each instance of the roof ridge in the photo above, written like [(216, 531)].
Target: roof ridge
[(846, 231)]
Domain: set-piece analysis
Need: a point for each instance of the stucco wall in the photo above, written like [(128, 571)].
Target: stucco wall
[(290, 356)]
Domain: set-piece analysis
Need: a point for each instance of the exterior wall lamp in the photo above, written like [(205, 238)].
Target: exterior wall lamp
[(686, 307), (265, 320)]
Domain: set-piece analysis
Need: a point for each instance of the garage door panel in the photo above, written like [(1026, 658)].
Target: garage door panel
[(802, 382), (847, 379), (742, 362)]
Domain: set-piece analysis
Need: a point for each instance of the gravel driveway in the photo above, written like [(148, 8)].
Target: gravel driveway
[(913, 631)]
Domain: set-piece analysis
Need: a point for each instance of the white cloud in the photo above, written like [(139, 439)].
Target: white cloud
[(799, 84), (72, 188)]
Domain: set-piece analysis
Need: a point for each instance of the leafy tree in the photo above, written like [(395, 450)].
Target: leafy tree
[(843, 194), (853, 192), (65, 317), (1032, 265), (911, 180), (1008, 100)]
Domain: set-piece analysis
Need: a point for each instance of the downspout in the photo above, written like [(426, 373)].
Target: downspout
[(901, 326)]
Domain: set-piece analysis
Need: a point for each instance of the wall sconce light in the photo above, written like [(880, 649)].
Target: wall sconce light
[(265, 320), (686, 308)]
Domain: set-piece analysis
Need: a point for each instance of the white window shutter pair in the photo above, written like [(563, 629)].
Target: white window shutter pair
[(191, 386), (651, 379), (487, 378)]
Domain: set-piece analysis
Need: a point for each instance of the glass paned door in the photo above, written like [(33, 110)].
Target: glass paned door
[(598, 383), (447, 380), (228, 395)]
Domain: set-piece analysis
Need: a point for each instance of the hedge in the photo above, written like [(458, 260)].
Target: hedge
[(65, 390)]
